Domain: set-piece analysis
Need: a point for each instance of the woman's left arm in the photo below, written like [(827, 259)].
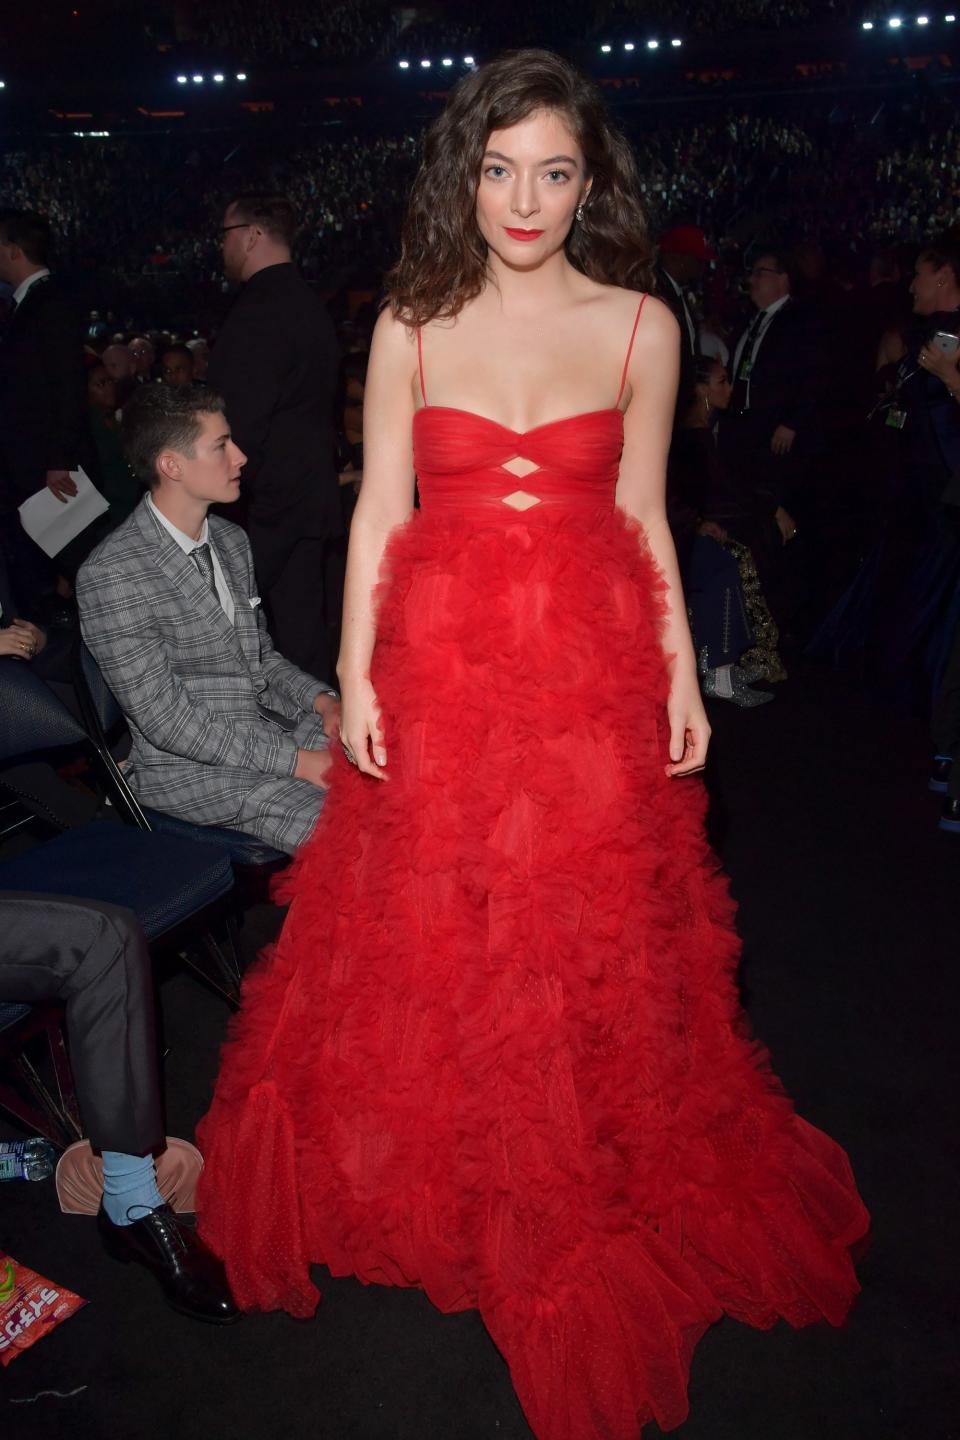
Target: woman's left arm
[(641, 492)]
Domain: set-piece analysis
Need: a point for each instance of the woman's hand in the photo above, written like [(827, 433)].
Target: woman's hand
[(689, 729), (785, 523), (21, 640), (361, 728), (943, 366)]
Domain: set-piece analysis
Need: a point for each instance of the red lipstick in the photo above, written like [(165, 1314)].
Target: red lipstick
[(524, 234)]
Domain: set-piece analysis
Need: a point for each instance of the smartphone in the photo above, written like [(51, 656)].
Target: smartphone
[(946, 342)]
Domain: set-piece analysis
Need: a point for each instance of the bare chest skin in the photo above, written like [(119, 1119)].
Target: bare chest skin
[(525, 370)]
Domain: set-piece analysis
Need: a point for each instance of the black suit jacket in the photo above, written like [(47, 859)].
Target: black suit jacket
[(275, 362), (43, 394), (667, 292), (786, 388), (786, 382)]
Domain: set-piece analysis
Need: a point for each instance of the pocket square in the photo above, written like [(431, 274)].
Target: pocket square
[(254, 601)]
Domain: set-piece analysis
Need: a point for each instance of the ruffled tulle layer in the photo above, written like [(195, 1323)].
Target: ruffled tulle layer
[(497, 1051)]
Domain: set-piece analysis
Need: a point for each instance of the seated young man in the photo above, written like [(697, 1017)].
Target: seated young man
[(225, 731)]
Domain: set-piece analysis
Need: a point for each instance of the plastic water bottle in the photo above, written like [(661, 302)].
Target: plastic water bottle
[(34, 1159)]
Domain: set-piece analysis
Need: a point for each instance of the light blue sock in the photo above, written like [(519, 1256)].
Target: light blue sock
[(129, 1186)]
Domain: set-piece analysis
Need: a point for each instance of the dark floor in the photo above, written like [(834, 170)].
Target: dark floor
[(848, 899)]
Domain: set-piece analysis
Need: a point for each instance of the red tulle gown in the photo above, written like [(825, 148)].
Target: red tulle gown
[(497, 1051)]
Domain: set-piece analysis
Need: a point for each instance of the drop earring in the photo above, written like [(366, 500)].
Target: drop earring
[(579, 212), (706, 408)]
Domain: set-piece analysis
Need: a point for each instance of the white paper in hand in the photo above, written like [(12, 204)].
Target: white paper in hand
[(53, 523)]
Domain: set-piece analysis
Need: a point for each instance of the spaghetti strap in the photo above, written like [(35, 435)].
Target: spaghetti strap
[(423, 388), (626, 363)]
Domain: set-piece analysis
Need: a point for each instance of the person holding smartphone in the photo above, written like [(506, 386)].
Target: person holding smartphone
[(939, 357), (895, 616)]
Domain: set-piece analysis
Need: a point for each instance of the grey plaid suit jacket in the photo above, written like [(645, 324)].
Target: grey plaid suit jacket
[(191, 684)]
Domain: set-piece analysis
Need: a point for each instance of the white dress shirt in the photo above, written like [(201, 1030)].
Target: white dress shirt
[(25, 285), (188, 544)]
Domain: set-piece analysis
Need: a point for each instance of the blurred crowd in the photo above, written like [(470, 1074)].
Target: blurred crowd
[(373, 28), (842, 178)]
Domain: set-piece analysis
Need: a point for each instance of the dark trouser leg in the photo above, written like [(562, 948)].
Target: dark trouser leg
[(30, 573), (94, 959), (946, 716), (297, 613)]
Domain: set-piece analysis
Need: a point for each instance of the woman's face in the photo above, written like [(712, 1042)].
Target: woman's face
[(927, 287), (718, 389), (101, 389), (532, 178)]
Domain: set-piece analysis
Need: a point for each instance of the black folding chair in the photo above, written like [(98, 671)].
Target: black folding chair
[(171, 882), (254, 860)]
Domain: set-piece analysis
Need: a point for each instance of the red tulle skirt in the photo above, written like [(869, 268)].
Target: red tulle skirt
[(497, 1051)]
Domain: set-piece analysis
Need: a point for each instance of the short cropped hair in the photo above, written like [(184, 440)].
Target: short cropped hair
[(158, 418), (274, 214), (782, 256), (31, 231)]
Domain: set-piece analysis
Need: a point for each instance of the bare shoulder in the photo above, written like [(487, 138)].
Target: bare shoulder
[(392, 337), (657, 324)]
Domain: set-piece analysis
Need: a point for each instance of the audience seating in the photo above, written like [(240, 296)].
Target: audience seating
[(171, 882), (103, 720)]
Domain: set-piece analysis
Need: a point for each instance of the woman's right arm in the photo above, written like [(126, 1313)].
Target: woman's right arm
[(385, 501)]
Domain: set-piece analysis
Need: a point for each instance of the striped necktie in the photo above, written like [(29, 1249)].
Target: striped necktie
[(740, 395), (203, 560)]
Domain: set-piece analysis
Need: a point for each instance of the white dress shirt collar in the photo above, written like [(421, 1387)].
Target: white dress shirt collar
[(777, 305), (188, 545), (25, 285), (185, 541)]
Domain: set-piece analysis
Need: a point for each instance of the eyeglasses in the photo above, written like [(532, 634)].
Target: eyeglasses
[(764, 270), (243, 225)]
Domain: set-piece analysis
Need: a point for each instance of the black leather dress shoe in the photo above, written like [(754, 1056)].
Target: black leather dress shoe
[(940, 773), (192, 1278), (950, 815)]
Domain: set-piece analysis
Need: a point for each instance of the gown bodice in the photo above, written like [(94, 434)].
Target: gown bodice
[(460, 458)]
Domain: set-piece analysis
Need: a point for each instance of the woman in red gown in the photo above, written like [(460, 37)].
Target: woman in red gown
[(497, 1051)]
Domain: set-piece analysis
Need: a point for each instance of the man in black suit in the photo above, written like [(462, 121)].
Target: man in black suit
[(44, 429), (684, 253), (275, 362), (773, 425)]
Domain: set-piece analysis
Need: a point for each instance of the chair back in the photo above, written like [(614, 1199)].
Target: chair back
[(101, 713), (32, 717), (102, 699)]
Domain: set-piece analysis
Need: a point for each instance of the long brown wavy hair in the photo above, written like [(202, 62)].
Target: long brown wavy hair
[(443, 259)]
